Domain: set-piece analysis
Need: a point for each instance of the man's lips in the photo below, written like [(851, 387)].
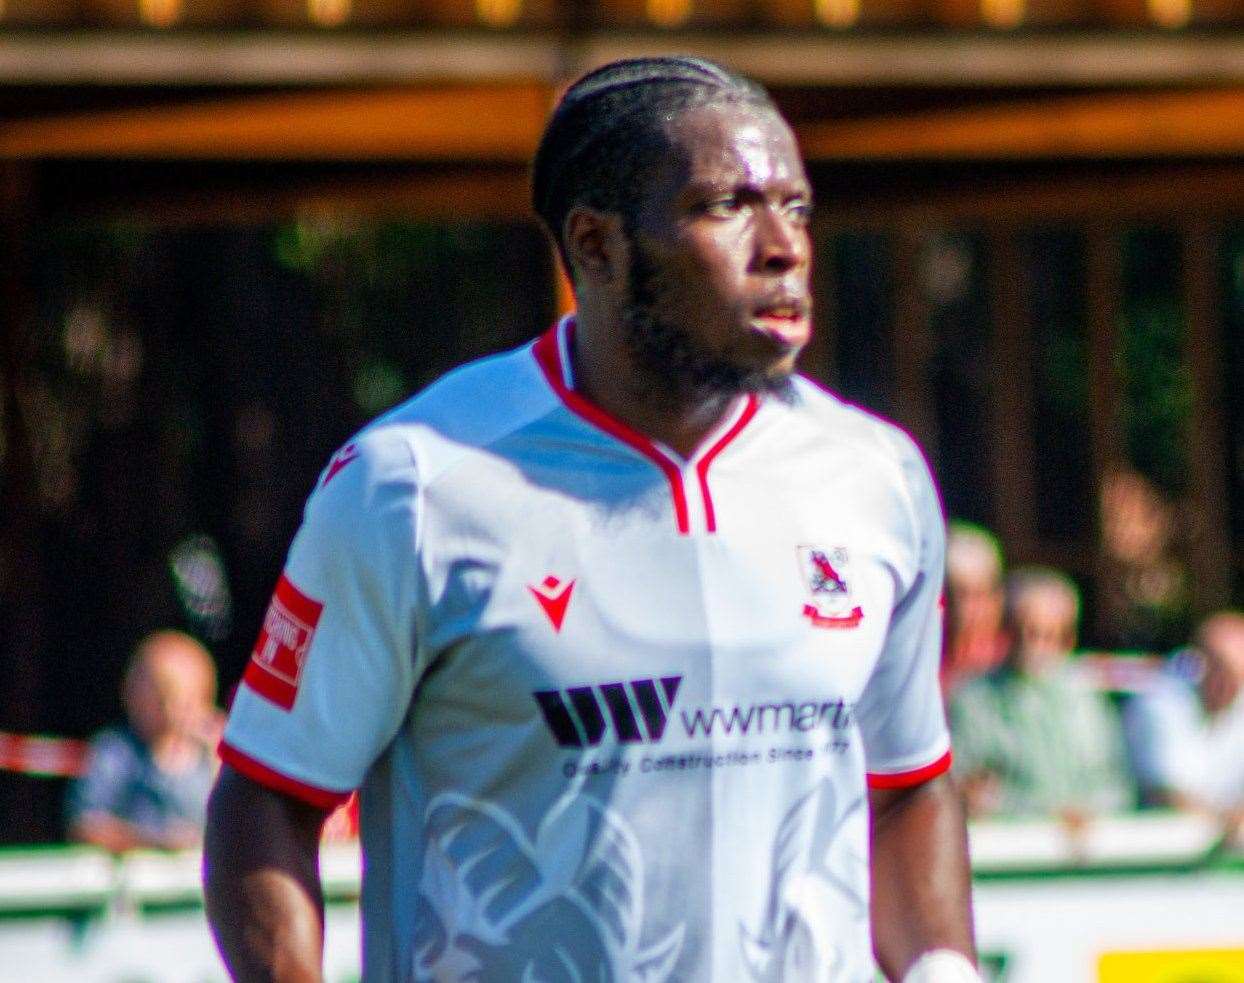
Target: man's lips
[(786, 324)]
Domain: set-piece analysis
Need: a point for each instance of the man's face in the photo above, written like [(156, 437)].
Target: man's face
[(719, 258), (1045, 631), (171, 692)]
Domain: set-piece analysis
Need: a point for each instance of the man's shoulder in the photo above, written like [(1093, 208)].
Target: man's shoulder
[(474, 402), (874, 438), (848, 423), (469, 407)]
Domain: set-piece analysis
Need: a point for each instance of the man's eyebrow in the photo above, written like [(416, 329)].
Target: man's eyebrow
[(714, 185), (747, 185), (746, 188)]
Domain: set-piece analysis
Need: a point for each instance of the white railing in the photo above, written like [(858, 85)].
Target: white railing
[(84, 878), (68, 878), (140, 916)]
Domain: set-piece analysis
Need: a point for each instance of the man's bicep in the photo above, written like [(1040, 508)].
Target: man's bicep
[(252, 828), (261, 880), (282, 822), (882, 799)]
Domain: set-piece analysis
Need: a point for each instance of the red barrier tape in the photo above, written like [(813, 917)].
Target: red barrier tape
[(46, 757)]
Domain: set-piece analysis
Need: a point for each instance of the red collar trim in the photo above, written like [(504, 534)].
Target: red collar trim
[(547, 353), (702, 465)]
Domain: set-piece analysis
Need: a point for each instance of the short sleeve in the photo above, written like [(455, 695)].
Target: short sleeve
[(333, 668), (900, 713)]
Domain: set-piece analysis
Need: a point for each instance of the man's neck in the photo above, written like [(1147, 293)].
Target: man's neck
[(605, 375)]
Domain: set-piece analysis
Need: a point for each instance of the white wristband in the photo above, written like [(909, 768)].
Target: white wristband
[(942, 966)]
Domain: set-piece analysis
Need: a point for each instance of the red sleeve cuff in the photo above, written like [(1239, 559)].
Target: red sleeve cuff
[(321, 798), (905, 779)]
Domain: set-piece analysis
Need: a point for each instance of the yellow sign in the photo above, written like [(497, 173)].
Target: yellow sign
[(1204, 966)]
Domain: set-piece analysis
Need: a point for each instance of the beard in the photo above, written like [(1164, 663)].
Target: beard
[(679, 369)]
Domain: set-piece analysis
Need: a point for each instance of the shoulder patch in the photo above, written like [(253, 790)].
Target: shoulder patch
[(280, 653)]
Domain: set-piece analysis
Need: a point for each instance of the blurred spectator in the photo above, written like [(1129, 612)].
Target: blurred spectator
[(1187, 730), (1143, 598), (147, 781), (976, 641), (1034, 737)]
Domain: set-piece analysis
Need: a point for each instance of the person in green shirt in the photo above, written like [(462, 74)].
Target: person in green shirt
[(1034, 738)]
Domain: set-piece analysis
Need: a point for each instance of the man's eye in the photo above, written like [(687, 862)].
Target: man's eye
[(723, 206), (800, 210)]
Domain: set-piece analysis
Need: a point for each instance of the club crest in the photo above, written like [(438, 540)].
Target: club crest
[(826, 576)]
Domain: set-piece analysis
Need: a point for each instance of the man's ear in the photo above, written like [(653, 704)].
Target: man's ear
[(595, 244)]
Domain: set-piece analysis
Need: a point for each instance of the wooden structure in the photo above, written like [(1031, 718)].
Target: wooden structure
[(1015, 198), (995, 117)]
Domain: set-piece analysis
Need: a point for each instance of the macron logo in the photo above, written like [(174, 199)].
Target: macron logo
[(580, 716), (553, 598), (339, 461)]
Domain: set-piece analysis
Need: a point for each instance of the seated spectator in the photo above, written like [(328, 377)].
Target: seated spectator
[(976, 641), (1034, 737), (147, 781), (1187, 730)]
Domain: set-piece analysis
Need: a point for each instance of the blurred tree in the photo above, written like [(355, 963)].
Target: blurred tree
[(173, 400)]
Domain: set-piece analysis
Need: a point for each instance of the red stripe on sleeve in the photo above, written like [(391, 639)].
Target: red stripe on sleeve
[(321, 798), (905, 779)]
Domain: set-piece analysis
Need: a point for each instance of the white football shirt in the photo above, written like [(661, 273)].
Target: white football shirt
[(612, 712)]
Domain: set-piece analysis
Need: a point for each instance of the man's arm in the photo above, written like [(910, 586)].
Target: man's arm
[(921, 882), (261, 881)]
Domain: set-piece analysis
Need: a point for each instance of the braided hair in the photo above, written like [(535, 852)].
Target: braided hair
[(609, 132)]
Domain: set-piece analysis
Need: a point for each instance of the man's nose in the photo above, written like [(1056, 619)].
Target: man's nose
[(781, 243)]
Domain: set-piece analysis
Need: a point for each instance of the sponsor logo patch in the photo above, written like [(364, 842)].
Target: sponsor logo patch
[(280, 653), (617, 729), (578, 719), (825, 573)]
